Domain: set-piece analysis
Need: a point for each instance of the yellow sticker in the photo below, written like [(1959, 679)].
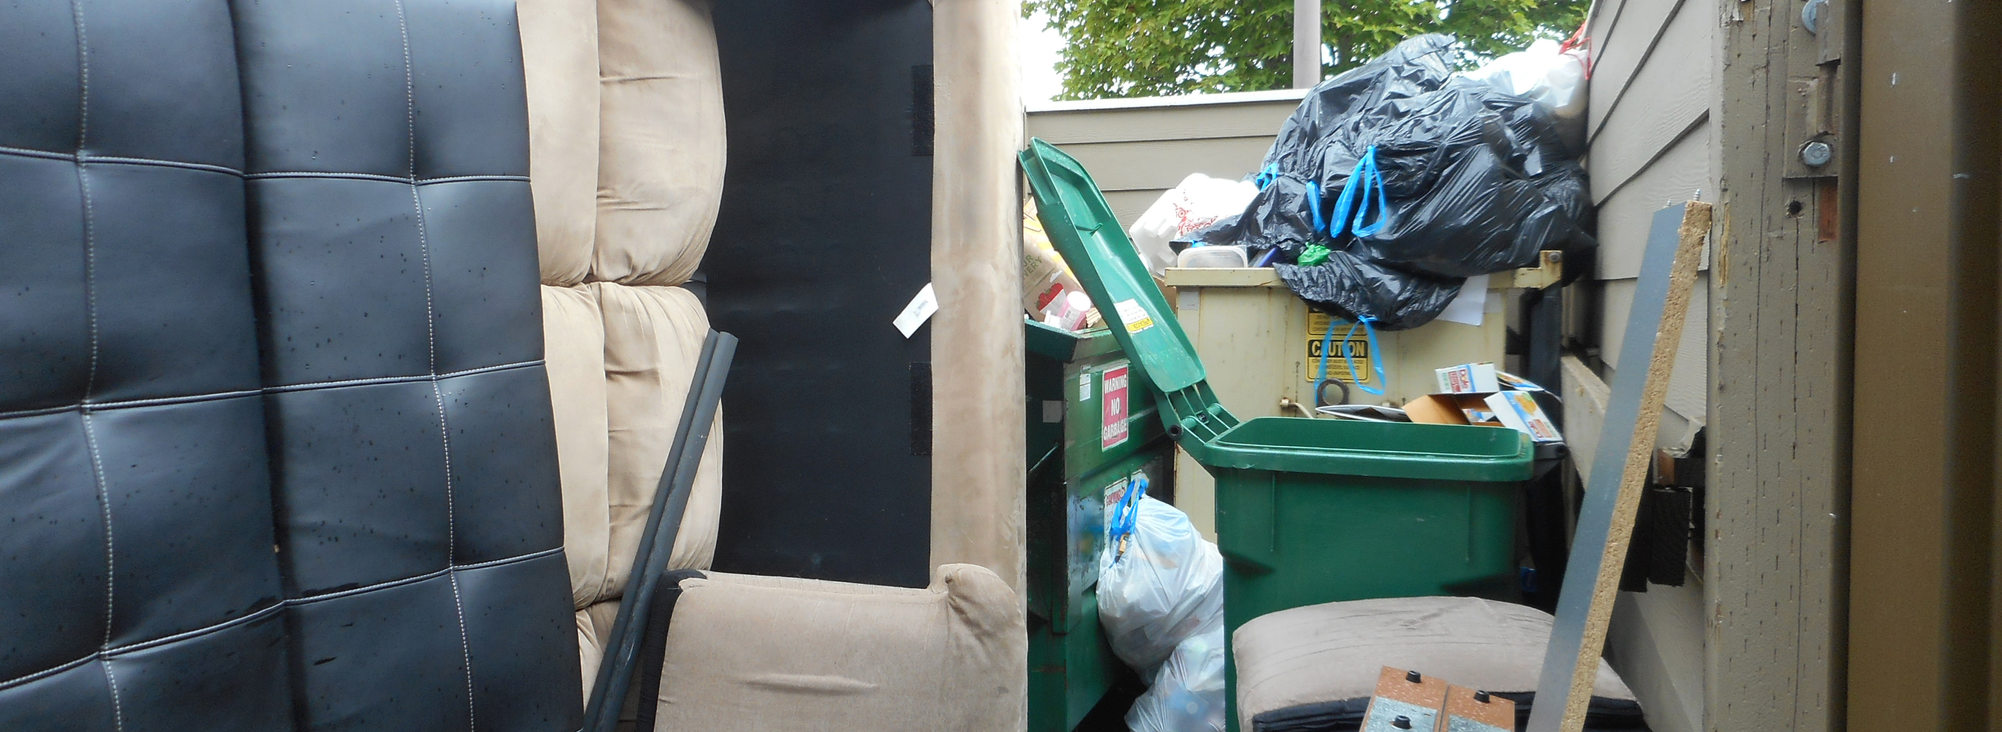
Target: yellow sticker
[(1350, 338), (1134, 316)]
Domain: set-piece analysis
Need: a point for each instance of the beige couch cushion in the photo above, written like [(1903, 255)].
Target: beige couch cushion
[(559, 49), (660, 172), (653, 336), (594, 630), (782, 654), (574, 353), (1334, 651)]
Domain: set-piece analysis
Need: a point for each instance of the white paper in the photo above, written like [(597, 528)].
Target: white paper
[(917, 312), (1470, 305)]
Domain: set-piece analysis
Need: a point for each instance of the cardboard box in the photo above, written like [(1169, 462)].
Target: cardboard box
[(1468, 378), (1477, 394), (1518, 411), (1451, 409)]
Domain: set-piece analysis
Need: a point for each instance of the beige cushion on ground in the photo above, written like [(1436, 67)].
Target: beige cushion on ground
[(559, 50), (660, 172), (594, 630), (573, 333), (653, 336), (1330, 652), (781, 654)]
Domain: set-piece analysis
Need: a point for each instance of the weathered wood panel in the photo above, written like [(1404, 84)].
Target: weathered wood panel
[(1777, 315)]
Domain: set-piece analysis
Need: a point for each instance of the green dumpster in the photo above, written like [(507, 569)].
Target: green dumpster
[(1307, 510), (1091, 431)]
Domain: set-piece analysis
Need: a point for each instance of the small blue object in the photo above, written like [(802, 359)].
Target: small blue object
[(1369, 334), (1365, 187), (1126, 513)]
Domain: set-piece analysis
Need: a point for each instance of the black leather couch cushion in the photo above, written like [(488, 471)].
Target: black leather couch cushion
[(275, 442), (138, 588), (393, 241)]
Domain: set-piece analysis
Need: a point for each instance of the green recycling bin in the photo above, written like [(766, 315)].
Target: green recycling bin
[(1307, 510), (1092, 434)]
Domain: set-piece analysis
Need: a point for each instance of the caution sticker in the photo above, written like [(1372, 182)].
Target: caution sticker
[(1134, 316), (1350, 339)]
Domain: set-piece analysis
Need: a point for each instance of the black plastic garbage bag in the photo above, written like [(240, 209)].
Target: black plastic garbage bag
[(1466, 180), (1350, 285)]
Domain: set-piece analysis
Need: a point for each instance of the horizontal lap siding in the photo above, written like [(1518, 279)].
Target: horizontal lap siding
[(1653, 145), (1138, 151)]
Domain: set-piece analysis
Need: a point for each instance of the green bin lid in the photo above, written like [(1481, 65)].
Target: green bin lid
[(1088, 236), (1082, 227)]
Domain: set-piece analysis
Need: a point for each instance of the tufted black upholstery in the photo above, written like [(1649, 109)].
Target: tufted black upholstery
[(268, 281), (137, 582)]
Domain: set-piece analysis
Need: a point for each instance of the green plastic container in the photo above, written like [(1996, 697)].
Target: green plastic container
[(1307, 510)]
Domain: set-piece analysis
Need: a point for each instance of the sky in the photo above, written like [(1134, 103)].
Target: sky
[(1038, 47)]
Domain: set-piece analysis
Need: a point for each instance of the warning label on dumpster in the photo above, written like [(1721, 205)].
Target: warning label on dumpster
[(1112, 389), (1134, 316), (1350, 339)]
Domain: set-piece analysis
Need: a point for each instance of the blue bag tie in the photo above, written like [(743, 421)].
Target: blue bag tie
[(1369, 335), (1365, 187)]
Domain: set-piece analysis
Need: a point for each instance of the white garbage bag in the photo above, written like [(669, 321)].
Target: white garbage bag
[(1191, 206), (1187, 695), (1548, 74), (1166, 587)]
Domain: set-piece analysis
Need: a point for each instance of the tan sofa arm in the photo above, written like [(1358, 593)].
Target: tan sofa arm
[(768, 653)]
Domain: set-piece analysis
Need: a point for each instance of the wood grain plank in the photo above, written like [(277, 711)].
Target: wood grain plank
[(1625, 450)]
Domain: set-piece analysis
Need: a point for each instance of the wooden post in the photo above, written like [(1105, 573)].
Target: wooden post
[(1779, 375)]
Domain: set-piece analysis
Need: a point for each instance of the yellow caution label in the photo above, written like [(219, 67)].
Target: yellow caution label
[(1350, 339)]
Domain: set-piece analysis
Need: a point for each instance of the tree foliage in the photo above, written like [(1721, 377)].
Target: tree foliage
[(1135, 48)]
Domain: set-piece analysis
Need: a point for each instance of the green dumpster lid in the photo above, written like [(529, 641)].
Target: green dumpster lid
[(1085, 232), (1088, 236)]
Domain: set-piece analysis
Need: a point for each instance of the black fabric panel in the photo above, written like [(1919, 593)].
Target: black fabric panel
[(138, 589), (393, 252), (653, 647), (823, 235)]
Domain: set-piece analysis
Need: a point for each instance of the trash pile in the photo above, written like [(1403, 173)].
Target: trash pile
[(1160, 598), (1394, 182)]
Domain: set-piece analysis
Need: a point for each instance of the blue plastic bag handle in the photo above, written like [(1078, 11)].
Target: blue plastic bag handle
[(1365, 186), (1369, 334), (1125, 513), (1314, 206)]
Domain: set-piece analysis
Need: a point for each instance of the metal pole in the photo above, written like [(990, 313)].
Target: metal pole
[(1306, 43)]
